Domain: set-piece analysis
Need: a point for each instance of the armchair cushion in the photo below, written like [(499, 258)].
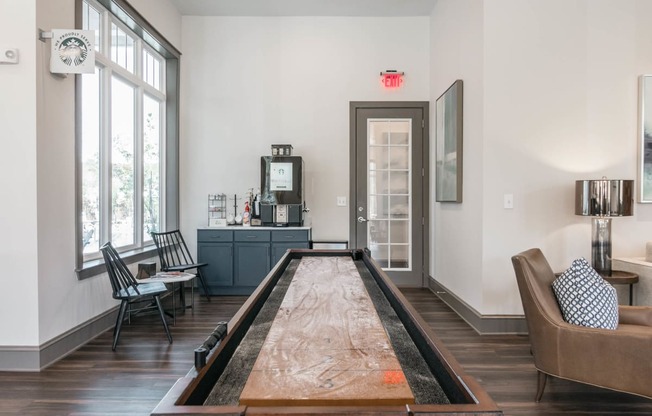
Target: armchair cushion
[(585, 298), (635, 315)]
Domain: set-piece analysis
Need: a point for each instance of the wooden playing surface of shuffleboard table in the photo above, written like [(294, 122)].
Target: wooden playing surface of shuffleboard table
[(327, 345)]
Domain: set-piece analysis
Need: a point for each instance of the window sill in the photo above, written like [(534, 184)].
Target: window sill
[(96, 267)]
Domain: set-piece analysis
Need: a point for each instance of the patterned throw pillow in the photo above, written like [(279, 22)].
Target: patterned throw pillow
[(585, 298)]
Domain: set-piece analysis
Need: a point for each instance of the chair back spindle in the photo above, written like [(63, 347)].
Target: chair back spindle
[(175, 256), (119, 274), (172, 248)]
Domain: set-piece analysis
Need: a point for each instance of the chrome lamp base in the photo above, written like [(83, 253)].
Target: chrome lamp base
[(601, 245)]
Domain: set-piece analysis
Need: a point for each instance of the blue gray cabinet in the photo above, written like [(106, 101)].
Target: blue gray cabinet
[(215, 247), (283, 240), (252, 257), (240, 258)]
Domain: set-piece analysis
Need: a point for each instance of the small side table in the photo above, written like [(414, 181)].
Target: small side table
[(620, 277), (178, 278)]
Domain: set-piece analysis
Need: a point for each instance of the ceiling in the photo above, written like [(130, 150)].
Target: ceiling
[(304, 7)]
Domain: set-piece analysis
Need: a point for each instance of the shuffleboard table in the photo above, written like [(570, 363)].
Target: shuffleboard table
[(326, 333)]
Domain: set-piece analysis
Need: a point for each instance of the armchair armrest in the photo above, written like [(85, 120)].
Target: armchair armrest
[(635, 315)]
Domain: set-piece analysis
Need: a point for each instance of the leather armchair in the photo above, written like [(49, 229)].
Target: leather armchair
[(614, 359)]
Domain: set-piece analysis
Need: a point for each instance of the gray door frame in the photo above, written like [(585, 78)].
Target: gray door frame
[(424, 106)]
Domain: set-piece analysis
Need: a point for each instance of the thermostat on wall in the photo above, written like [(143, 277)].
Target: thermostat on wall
[(8, 55)]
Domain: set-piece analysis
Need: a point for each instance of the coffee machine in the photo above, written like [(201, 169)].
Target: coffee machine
[(281, 184)]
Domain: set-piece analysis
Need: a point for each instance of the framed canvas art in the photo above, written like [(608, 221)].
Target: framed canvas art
[(645, 140), (448, 142)]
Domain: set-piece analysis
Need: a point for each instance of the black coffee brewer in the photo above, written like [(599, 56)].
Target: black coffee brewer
[(281, 184)]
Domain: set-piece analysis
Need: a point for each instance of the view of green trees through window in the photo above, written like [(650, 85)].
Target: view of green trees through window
[(152, 166), (122, 160)]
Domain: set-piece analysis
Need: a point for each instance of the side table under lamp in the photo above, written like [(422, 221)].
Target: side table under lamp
[(604, 199)]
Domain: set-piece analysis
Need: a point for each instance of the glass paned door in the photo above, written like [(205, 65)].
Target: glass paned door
[(389, 193)]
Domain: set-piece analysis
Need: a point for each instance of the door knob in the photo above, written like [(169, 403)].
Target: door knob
[(362, 219)]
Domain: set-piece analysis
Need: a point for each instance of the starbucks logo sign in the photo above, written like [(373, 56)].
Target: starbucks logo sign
[(72, 51)]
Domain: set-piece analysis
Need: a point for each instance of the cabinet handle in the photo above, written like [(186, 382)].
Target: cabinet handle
[(251, 236), (289, 236)]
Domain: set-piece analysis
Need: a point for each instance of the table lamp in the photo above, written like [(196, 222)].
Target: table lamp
[(603, 199)]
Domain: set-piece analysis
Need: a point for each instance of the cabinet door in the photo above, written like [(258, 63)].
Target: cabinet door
[(285, 239), (279, 249), (251, 263), (219, 257)]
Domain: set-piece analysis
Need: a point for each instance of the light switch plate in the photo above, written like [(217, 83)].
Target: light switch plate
[(341, 201), (509, 201)]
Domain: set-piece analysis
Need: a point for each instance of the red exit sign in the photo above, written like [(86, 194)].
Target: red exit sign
[(392, 79)]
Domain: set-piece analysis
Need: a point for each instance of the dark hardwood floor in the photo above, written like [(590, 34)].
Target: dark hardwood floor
[(96, 381), (504, 367)]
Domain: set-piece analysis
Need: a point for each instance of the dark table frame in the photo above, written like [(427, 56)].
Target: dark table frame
[(466, 395), (620, 277)]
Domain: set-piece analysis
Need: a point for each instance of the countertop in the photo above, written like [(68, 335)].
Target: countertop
[(241, 227)]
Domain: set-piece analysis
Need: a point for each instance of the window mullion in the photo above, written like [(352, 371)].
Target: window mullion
[(105, 128), (105, 46), (138, 59), (106, 168), (139, 150), (163, 150), (139, 168)]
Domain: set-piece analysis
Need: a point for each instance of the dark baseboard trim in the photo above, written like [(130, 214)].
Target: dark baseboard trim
[(37, 358), (483, 324)]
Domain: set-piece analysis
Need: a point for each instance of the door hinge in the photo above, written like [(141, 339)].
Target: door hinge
[(423, 172), (423, 221), (423, 123)]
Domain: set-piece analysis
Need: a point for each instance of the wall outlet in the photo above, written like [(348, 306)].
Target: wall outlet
[(341, 201)]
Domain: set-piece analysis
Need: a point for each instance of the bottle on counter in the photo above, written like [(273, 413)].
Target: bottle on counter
[(246, 215), (255, 211)]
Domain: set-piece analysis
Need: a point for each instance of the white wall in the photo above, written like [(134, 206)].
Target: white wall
[(248, 82), (456, 30), (559, 93), (19, 307), (565, 109), (37, 176)]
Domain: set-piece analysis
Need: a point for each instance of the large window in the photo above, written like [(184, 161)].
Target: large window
[(126, 139)]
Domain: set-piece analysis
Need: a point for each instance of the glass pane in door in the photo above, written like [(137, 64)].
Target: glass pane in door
[(380, 255), (389, 192)]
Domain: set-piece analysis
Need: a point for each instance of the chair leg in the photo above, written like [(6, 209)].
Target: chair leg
[(541, 385), (182, 295), (118, 323), (203, 284), (165, 323)]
